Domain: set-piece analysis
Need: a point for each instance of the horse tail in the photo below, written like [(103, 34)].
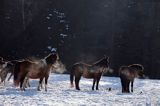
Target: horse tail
[(72, 76), (16, 73)]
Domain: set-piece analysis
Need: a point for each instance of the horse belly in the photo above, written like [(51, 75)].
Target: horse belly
[(33, 75), (87, 74)]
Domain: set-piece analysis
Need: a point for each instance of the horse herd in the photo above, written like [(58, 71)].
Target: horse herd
[(25, 69)]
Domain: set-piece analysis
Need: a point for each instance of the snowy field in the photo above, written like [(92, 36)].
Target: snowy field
[(146, 93)]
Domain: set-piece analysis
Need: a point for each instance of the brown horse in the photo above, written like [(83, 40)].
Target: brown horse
[(94, 71), (34, 70), (127, 75)]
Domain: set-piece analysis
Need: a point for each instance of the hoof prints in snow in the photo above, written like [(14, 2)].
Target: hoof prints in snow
[(146, 93)]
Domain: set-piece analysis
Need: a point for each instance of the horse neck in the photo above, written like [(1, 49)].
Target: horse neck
[(100, 67), (44, 61), (100, 64)]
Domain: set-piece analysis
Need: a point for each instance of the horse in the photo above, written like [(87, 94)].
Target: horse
[(93, 71), (8, 68), (3, 64), (35, 70), (127, 75)]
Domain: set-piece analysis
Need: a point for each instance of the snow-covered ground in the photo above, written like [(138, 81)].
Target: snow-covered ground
[(146, 93)]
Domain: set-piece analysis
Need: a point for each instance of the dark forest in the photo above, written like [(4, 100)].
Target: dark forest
[(128, 31)]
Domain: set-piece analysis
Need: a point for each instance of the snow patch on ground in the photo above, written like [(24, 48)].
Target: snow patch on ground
[(146, 93)]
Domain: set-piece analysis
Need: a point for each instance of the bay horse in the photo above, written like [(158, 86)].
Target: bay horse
[(127, 75), (94, 72), (35, 70)]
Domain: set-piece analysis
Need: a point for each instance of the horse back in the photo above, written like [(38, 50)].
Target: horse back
[(80, 67)]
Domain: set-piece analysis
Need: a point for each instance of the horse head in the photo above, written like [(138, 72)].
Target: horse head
[(52, 58), (104, 62)]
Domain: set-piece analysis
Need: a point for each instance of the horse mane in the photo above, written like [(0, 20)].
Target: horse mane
[(50, 55), (139, 65), (34, 60), (123, 67), (101, 61), (15, 61), (82, 63), (97, 62)]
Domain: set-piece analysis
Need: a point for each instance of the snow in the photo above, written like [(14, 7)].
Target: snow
[(52, 49), (49, 28), (63, 35), (48, 17), (62, 21), (146, 93)]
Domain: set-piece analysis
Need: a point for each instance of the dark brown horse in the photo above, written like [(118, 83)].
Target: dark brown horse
[(35, 70), (128, 74), (94, 71)]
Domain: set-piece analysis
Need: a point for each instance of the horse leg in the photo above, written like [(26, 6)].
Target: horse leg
[(40, 82), (4, 83), (22, 84), (10, 76), (98, 79), (123, 85), (28, 83), (127, 86), (132, 86), (46, 81), (4, 78), (77, 82), (94, 81)]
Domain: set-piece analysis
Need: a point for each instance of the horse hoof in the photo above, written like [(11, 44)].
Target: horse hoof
[(78, 89), (109, 89), (38, 90), (23, 90)]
